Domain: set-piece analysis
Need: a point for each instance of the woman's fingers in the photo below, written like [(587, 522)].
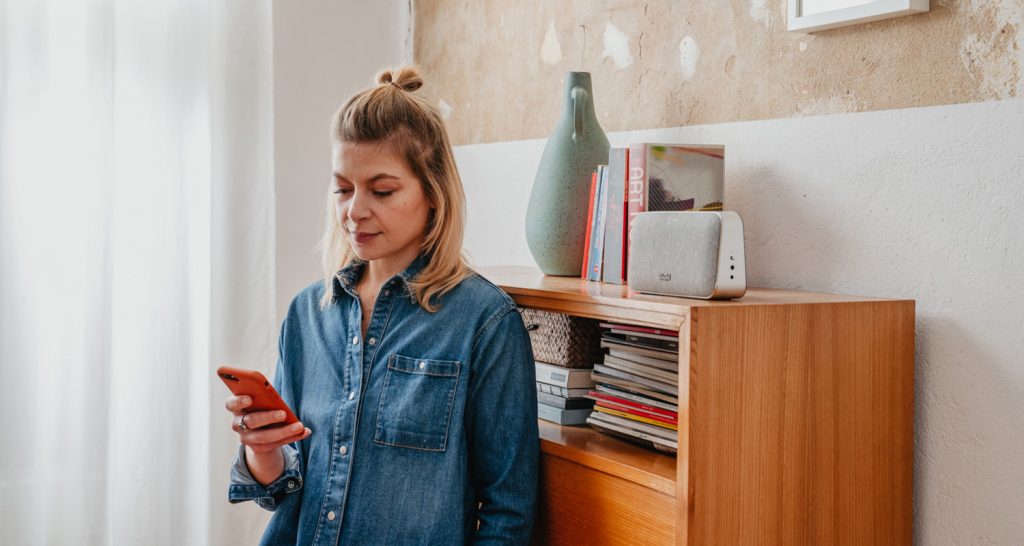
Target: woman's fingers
[(271, 439), (236, 404), (260, 419), (274, 434), (262, 431)]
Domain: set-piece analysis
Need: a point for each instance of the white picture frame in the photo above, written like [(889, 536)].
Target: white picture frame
[(815, 15)]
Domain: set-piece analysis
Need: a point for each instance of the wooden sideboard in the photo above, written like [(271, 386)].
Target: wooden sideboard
[(795, 425)]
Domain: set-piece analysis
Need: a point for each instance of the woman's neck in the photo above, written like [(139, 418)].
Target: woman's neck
[(378, 272)]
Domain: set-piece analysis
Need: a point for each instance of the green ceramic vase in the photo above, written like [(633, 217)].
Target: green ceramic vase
[(556, 216)]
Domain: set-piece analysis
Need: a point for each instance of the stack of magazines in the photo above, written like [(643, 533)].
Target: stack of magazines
[(562, 394), (636, 388)]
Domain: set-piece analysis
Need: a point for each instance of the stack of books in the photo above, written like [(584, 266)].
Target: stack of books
[(645, 177), (636, 388), (562, 394)]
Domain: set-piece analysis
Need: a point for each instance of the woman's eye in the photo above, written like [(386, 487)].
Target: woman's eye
[(346, 191)]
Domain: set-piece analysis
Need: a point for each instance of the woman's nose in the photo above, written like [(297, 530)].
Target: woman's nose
[(359, 205)]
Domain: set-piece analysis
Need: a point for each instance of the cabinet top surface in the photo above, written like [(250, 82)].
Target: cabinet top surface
[(520, 281)]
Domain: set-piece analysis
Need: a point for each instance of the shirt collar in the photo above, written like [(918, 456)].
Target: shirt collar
[(347, 277)]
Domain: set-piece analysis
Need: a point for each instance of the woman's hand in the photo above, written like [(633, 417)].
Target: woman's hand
[(262, 439)]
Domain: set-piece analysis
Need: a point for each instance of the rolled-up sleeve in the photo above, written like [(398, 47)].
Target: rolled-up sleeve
[(244, 487), (502, 428)]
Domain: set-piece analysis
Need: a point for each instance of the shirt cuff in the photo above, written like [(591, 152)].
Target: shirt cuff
[(244, 487)]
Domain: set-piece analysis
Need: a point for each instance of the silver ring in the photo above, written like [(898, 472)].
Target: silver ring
[(241, 423)]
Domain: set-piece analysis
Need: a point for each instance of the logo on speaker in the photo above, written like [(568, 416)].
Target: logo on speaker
[(665, 276)]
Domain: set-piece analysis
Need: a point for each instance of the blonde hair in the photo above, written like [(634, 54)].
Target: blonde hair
[(391, 115)]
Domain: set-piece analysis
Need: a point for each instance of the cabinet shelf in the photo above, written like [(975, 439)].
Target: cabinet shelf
[(590, 448)]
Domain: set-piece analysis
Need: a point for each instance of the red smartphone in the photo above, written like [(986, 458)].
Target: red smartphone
[(251, 383)]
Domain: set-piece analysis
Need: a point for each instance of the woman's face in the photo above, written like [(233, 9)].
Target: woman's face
[(380, 204)]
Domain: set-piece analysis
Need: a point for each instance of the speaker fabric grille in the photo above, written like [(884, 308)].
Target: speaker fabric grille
[(674, 253)]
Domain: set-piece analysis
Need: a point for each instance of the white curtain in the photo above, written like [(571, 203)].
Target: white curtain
[(136, 232)]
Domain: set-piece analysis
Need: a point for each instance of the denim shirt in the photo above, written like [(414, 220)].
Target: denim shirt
[(424, 432)]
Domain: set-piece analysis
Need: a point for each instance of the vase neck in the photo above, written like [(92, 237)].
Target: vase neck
[(582, 81)]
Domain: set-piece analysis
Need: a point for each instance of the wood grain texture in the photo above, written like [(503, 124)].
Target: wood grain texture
[(590, 448), (527, 282), (581, 505), (801, 424), (683, 477)]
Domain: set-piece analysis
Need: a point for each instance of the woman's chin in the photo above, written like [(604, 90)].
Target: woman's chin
[(362, 254)]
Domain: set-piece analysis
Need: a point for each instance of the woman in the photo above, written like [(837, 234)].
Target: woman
[(412, 375)]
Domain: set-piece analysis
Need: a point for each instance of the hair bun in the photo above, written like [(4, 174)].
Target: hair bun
[(405, 78)]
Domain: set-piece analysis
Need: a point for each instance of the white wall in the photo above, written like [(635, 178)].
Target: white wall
[(922, 203), (324, 51)]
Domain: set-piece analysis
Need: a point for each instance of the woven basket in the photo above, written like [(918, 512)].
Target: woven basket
[(563, 340)]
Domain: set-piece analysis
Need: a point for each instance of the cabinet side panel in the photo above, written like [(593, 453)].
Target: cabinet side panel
[(801, 424)]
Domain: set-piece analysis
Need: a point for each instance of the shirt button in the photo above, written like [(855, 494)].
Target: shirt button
[(343, 450), (330, 516), (423, 365), (352, 395), (355, 340), (387, 292), (291, 485), (372, 341)]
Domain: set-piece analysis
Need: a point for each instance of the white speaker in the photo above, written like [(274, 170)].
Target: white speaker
[(690, 254)]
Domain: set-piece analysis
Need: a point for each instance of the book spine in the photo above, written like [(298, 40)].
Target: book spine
[(563, 417), (590, 225), (562, 402), (656, 331), (601, 397), (643, 329), (638, 418), (614, 234), (570, 378), (634, 414), (600, 222), (594, 272), (636, 190), (667, 419), (561, 391)]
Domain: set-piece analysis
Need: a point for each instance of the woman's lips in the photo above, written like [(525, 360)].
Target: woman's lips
[(362, 237)]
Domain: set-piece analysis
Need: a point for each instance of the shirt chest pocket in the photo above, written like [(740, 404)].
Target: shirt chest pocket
[(416, 403)]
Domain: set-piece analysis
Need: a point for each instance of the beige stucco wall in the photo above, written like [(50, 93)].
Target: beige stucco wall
[(496, 67)]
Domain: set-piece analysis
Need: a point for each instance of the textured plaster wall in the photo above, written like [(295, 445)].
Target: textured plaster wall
[(920, 203), (496, 68)]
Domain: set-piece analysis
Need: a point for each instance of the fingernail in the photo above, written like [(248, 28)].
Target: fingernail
[(297, 427), (246, 400), (308, 432), (279, 415)]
